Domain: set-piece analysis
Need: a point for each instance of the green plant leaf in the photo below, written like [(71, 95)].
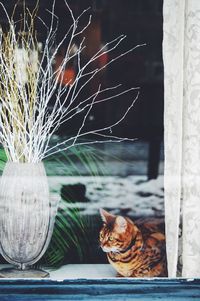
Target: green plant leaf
[(3, 159), (70, 235)]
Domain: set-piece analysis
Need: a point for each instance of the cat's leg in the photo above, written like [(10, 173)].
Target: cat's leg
[(157, 271), (119, 275)]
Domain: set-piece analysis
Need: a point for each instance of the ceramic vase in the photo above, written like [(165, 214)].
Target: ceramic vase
[(26, 218)]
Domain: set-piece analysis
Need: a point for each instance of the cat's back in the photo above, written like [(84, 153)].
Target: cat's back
[(152, 227)]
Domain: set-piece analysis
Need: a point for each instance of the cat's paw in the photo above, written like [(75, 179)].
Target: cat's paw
[(119, 275)]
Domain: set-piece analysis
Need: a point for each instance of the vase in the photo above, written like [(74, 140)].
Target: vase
[(27, 216)]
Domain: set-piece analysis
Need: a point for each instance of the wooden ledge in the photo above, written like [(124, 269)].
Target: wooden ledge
[(96, 289), (100, 284)]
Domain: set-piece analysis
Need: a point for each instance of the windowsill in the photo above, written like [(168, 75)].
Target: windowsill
[(83, 271), (97, 282), (78, 271)]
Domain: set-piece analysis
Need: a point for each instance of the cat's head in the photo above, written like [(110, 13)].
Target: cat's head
[(117, 232)]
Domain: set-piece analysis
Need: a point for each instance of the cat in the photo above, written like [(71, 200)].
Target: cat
[(133, 250)]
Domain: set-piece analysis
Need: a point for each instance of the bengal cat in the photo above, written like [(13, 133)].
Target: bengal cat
[(134, 251)]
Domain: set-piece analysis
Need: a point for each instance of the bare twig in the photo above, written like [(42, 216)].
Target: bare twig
[(29, 81)]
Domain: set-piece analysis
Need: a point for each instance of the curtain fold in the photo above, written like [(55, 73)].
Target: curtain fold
[(181, 56)]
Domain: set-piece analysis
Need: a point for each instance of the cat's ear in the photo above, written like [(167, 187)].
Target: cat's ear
[(106, 216), (121, 224)]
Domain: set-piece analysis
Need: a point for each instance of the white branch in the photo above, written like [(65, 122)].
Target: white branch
[(27, 123)]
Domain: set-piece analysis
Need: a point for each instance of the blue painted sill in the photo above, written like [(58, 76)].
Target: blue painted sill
[(101, 289)]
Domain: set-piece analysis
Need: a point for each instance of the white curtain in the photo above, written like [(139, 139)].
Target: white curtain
[(181, 55)]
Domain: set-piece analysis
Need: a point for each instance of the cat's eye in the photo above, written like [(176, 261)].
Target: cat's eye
[(101, 235), (110, 238)]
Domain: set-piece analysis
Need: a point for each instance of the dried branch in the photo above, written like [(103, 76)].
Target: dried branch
[(29, 81)]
